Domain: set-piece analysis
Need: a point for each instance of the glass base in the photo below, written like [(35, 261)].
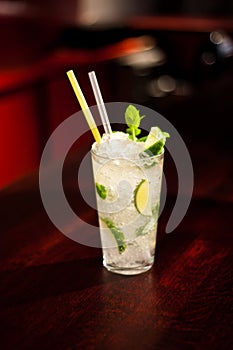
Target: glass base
[(128, 271)]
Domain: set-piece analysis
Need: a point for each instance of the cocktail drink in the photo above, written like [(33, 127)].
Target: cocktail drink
[(128, 195), (127, 176)]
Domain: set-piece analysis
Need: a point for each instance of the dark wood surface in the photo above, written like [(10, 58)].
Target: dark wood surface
[(55, 294)]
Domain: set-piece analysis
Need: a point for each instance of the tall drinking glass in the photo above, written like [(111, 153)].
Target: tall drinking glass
[(128, 197)]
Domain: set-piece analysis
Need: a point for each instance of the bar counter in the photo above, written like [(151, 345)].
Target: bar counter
[(55, 294)]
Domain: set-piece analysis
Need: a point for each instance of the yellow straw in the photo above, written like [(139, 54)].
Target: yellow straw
[(84, 106)]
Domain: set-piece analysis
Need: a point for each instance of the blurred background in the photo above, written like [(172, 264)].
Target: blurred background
[(173, 56)]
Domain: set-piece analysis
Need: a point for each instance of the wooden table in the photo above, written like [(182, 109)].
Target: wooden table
[(55, 294)]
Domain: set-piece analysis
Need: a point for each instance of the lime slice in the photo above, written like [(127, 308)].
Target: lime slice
[(141, 197), (155, 135), (155, 141), (155, 149)]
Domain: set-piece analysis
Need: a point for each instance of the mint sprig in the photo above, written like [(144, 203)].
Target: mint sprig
[(133, 120), (117, 233)]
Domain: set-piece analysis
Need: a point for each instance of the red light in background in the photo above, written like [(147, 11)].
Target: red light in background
[(19, 139)]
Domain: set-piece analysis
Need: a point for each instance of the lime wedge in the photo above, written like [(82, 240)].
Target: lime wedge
[(141, 198), (155, 135), (155, 141), (155, 149)]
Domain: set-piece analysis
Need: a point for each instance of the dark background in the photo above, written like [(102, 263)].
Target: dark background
[(173, 56), (186, 50)]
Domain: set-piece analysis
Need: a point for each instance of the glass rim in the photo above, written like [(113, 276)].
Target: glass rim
[(151, 157)]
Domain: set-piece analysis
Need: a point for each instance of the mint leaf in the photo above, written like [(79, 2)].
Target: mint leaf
[(142, 139), (146, 228), (165, 134), (117, 233), (151, 222), (137, 131), (132, 116), (133, 120), (101, 190)]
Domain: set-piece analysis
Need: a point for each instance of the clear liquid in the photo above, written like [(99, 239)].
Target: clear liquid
[(120, 178)]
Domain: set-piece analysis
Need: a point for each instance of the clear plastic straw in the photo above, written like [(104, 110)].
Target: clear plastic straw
[(84, 106), (100, 103)]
